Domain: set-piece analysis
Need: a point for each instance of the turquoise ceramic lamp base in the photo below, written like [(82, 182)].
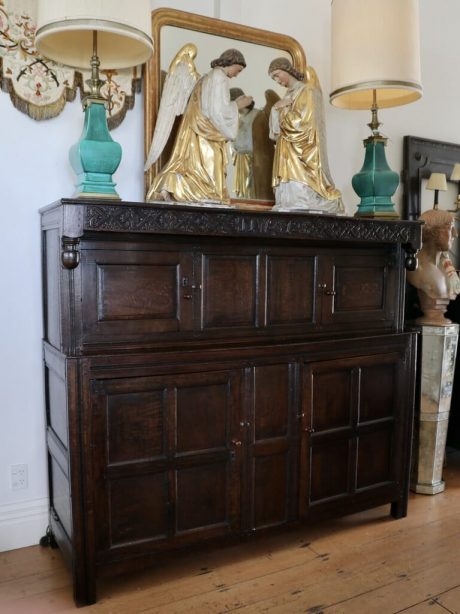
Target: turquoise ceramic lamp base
[(96, 156), (375, 183)]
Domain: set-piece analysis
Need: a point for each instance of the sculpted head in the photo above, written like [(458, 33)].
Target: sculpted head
[(284, 64), (439, 230)]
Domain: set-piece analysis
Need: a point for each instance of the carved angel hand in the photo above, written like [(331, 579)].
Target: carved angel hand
[(284, 102)]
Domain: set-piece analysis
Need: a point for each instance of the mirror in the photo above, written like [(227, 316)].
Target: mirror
[(421, 158), (171, 29)]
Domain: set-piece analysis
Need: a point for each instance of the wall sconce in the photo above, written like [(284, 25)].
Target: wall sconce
[(375, 64), (455, 176), (101, 32), (436, 182)]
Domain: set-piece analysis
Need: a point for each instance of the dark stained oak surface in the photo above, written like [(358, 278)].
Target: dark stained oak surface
[(212, 374)]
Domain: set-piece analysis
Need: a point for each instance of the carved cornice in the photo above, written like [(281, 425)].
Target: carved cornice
[(90, 216), (193, 221)]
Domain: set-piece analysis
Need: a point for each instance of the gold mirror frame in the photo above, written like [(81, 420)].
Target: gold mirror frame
[(207, 25)]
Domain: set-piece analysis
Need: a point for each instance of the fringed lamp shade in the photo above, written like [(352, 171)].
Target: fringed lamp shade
[(107, 33)]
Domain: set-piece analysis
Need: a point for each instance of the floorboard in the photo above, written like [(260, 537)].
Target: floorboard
[(366, 563)]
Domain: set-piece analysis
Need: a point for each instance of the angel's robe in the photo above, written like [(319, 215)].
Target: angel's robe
[(197, 168), (300, 178), (243, 156)]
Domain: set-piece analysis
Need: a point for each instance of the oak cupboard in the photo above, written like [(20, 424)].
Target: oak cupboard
[(214, 372)]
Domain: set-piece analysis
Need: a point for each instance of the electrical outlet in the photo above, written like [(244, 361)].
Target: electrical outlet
[(18, 477)]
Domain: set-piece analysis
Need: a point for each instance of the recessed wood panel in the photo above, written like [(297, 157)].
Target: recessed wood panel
[(53, 290), (359, 288), (290, 291), (137, 291), (201, 497), (377, 398), (135, 426), (374, 458), (331, 399), (270, 490), (57, 407), (271, 401), (138, 508), (229, 291), (202, 414), (329, 467), (60, 496)]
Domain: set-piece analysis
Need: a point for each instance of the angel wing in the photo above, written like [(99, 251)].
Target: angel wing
[(318, 102), (178, 85)]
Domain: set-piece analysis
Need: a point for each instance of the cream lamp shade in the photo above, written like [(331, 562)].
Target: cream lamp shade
[(375, 47), (455, 176), (437, 181), (65, 27)]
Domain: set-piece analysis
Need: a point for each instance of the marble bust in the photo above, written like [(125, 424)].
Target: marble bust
[(435, 278)]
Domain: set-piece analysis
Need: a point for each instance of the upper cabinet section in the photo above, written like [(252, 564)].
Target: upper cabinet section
[(138, 276)]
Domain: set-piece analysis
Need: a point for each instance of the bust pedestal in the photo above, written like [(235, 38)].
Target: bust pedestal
[(439, 348)]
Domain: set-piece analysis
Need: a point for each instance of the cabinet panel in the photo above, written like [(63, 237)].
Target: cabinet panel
[(229, 287), (135, 426), (374, 457), (361, 289), (168, 467), (291, 289), (137, 509), (273, 450), (134, 295), (329, 473), (352, 441)]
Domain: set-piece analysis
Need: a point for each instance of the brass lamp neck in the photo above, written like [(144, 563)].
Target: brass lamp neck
[(374, 123), (95, 83)]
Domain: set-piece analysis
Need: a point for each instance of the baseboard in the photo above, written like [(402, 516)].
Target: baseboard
[(22, 523)]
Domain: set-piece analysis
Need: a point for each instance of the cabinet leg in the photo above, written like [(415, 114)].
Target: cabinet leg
[(48, 540), (399, 509)]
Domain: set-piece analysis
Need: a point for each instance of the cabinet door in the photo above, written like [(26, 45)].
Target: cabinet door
[(135, 295), (360, 289), (229, 279), (355, 431), (291, 296), (166, 461), (273, 445)]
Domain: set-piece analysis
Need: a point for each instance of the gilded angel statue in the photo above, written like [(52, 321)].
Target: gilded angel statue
[(301, 176), (196, 170)]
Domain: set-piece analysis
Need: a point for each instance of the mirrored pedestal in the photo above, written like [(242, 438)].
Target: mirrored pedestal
[(439, 348)]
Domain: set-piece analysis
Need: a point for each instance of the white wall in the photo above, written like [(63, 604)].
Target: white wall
[(34, 171)]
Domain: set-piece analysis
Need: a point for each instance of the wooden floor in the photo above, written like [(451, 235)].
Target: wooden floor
[(363, 564)]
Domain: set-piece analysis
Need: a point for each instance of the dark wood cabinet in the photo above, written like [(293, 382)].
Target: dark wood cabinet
[(211, 373)]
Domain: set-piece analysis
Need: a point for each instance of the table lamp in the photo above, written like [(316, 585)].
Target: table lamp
[(80, 33), (375, 64), (455, 176), (436, 182)]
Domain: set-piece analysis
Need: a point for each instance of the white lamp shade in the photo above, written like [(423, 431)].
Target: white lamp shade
[(455, 176), (64, 31), (437, 181), (375, 46)]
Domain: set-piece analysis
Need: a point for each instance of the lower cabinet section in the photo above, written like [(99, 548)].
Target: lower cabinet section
[(352, 411), (160, 454)]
